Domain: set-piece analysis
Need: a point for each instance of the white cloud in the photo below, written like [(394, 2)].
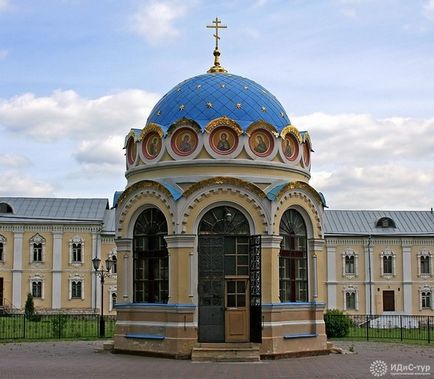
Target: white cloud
[(65, 114), (14, 183), (3, 53), (363, 162), (97, 151), (155, 21), (13, 160), (428, 10)]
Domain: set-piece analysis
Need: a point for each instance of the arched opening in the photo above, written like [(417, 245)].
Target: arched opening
[(293, 276), (229, 274), (150, 265)]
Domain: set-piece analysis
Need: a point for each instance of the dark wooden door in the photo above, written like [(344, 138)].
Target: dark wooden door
[(1, 292), (388, 301)]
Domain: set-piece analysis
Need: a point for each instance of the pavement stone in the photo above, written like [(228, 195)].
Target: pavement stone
[(87, 359)]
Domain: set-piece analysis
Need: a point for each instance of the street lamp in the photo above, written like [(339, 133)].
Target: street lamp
[(99, 271)]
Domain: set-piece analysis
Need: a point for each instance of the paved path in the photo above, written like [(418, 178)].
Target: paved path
[(85, 359)]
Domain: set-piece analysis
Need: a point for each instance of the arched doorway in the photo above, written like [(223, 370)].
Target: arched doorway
[(150, 265), (229, 278)]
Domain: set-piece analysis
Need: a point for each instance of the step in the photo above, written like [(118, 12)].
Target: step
[(225, 352)]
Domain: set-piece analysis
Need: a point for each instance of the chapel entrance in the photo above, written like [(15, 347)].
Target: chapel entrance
[(388, 301), (229, 278)]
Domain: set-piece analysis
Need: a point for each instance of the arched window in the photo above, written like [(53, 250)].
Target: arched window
[(114, 265), (224, 220), (385, 222), (293, 258), (151, 283)]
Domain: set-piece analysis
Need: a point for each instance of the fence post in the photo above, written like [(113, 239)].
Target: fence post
[(60, 325), (400, 325), (367, 327), (429, 330), (24, 326)]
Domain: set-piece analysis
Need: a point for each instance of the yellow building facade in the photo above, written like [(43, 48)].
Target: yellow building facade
[(46, 248)]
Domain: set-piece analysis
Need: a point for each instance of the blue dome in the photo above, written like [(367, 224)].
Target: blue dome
[(206, 97)]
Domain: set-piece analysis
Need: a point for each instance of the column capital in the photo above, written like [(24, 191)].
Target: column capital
[(180, 240), (124, 245), (316, 244), (271, 241)]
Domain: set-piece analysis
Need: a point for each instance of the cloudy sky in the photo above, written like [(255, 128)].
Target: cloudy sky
[(76, 75)]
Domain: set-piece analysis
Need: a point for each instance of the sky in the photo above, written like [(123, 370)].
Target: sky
[(77, 75)]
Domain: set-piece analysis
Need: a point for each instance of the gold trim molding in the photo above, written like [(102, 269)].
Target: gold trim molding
[(299, 185), (184, 122), (144, 184), (149, 129), (224, 121), (261, 125), (292, 130), (222, 180)]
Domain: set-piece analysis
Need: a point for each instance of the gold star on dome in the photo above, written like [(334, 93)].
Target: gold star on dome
[(209, 104), (263, 109), (198, 86), (181, 107), (158, 113), (246, 87), (178, 89), (238, 105), (282, 114), (222, 85)]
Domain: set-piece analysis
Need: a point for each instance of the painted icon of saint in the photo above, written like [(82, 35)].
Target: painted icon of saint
[(287, 149), (223, 144), (261, 146), (153, 149), (185, 145)]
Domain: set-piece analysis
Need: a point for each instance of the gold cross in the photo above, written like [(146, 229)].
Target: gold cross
[(216, 26)]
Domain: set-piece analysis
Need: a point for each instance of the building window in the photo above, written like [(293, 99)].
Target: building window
[(2, 248), (37, 249), (5, 208), (351, 299), (114, 264), (293, 276), (349, 263), (113, 299), (385, 222), (76, 289), (150, 263), (37, 288), (387, 263), (425, 297), (76, 250), (424, 263)]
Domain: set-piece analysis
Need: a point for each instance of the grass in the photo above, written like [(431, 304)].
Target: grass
[(61, 326)]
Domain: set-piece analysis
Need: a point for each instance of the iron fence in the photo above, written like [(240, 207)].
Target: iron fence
[(393, 327), (53, 326)]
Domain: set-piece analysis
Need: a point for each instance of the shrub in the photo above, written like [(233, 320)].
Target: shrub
[(337, 323), (29, 308)]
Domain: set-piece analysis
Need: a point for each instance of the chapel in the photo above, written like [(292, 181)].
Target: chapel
[(219, 235)]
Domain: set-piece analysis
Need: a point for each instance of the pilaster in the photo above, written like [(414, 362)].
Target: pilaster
[(17, 268), (124, 248), (56, 299), (270, 250)]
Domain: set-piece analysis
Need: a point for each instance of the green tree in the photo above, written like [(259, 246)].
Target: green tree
[(29, 309)]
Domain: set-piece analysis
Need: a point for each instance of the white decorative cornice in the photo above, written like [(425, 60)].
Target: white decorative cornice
[(180, 241), (271, 241), (124, 245)]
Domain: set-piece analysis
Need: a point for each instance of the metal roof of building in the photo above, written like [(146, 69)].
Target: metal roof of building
[(54, 209), (360, 222), (109, 221)]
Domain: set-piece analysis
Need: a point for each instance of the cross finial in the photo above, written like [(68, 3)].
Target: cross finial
[(217, 25)]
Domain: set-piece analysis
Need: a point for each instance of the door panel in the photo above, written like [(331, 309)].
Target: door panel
[(388, 301), (211, 289), (236, 313), (1, 291), (255, 289)]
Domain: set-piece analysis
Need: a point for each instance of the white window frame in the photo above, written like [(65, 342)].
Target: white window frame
[(426, 289), (424, 253), (3, 252), (76, 240), (388, 253), (76, 278), (112, 290), (113, 254), (351, 290), (36, 240), (34, 279), (350, 253)]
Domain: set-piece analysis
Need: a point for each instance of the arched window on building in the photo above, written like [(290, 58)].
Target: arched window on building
[(424, 263), (114, 268), (387, 263), (426, 298), (2, 248), (351, 301), (151, 280), (349, 263), (37, 249), (76, 250), (293, 278)]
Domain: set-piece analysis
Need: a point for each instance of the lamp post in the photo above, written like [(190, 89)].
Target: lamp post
[(99, 271)]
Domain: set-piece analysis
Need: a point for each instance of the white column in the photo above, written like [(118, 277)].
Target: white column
[(369, 279), (96, 283), (17, 269), (124, 247), (316, 246), (331, 276), (406, 277), (56, 299)]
